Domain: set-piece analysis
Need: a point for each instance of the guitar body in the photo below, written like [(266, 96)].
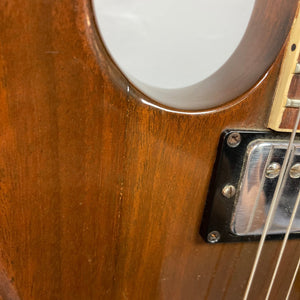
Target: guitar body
[(102, 195)]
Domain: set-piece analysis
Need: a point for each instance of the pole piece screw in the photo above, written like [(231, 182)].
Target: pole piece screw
[(234, 139), (228, 191), (213, 237), (295, 171), (273, 170)]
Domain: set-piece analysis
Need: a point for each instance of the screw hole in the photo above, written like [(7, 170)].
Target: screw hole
[(293, 48)]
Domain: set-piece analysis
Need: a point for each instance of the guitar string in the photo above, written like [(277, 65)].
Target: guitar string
[(261, 186), (270, 217), (293, 281), (286, 236), (274, 204)]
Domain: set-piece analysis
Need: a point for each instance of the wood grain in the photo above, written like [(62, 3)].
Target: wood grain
[(294, 91), (284, 88), (102, 195), (289, 118)]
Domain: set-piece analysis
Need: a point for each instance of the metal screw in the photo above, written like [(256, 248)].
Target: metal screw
[(273, 170), (295, 171), (228, 191), (234, 139), (213, 237)]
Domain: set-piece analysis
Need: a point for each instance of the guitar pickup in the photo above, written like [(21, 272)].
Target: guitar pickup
[(244, 179)]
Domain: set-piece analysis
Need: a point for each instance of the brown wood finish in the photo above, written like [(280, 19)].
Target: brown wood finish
[(101, 195), (289, 118), (290, 114), (278, 113), (294, 91)]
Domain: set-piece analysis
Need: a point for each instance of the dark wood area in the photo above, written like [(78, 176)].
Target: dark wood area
[(101, 196), (294, 91), (290, 114), (289, 118)]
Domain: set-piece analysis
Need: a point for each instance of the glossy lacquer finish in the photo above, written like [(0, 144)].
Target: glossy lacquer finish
[(101, 195)]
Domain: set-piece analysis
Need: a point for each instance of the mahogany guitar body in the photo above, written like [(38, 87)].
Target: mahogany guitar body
[(102, 195)]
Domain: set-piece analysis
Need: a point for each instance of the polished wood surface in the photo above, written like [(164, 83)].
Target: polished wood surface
[(287, 86), (294, 91), (101, 194), (289, 118)]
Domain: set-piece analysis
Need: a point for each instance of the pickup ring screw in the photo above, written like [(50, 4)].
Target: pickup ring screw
[(228, 191), (213, 237), (234, 139)]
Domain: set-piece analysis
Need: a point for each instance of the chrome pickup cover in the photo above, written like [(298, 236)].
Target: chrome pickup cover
[(242, 187), (251, 207)]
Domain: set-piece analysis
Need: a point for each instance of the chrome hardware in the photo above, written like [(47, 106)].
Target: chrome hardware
[(295, 171), (250, 180), (234, 139), (247, 175), (213, 237), (228, 191), (292, 102), (273, 170)]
